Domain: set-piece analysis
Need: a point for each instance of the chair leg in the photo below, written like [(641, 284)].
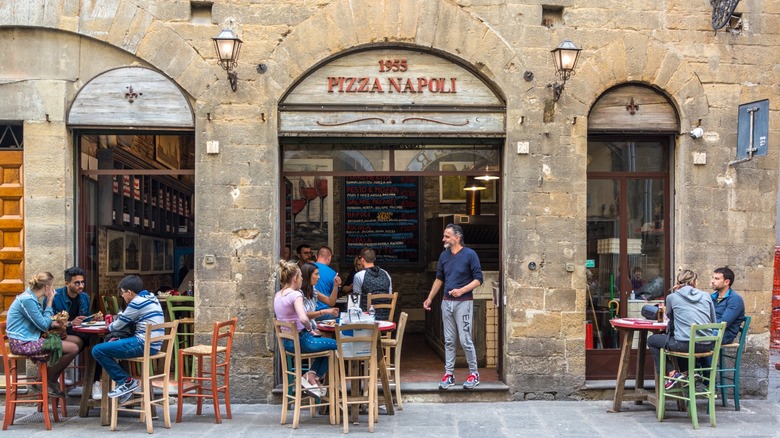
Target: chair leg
[(114, 408), (297, 406), (147, 405), (661, 387), (180, 388), (228, 413), (215, 391), (397, 379), (199, 389), (692, 399)]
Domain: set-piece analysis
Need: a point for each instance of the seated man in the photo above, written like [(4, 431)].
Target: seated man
[(372, 280), (729, 306), (142, 310)]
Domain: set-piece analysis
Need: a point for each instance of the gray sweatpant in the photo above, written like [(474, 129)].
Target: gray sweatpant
[(457, 317)]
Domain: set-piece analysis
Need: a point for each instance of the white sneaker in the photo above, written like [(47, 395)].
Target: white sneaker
[(97, 391)]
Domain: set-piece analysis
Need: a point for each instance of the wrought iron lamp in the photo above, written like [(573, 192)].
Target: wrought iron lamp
[(228, 45), (565, 57)]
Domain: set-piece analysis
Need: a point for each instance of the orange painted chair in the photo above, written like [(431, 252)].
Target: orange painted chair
[(208, 381), (13, 382)]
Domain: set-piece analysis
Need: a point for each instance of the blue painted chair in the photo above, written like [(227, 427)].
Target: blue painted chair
[(729, 377)]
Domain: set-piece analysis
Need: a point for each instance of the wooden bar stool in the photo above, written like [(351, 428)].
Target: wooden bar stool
[(293, 367), (223, 332), (393, 357), (13, 381), (144, 397), (357, 352)]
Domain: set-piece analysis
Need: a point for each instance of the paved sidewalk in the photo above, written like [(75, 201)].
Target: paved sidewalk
[(537, 419), (758, 418)]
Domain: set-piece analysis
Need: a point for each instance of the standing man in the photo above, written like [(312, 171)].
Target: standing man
[(372, 280), (729, 306), (460, 273), (303, 253), (329, 282), (142, 310)]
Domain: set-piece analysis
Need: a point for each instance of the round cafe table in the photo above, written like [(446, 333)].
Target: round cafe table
[(627, 327), (96, 331), (384, 326)]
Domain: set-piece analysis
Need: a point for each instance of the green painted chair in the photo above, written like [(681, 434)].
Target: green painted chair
[(731, 353), (685, 388), (182, 309), (111, 304)]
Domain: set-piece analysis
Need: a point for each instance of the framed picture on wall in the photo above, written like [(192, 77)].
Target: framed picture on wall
[(132, 252), (115, 244), (451, 186), (147, 253), (166, 151), (169, 255), (158, 261)]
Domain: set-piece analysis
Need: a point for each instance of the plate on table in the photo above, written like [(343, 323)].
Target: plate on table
[(94, 324), (385, 324), (328, 323)]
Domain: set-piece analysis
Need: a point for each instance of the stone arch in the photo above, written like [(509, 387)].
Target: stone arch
[(646, 61), (125, 26), (436, 25)]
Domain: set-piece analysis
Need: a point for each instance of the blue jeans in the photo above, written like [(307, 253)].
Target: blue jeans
[(107, 353), (313, 344)]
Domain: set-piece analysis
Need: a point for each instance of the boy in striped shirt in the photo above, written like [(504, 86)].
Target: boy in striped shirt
[(143, 309)]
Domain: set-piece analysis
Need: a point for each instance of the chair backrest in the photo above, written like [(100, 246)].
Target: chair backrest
[(167, 338), (698, 336), (357, 341), (4, 349), (399, 330), (223, 331), (111, 303), (180, 307), (384, 305), (743, 332)]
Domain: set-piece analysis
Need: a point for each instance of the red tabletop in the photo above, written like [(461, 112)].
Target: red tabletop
[(98, 329), (638, 324), (384, 326)]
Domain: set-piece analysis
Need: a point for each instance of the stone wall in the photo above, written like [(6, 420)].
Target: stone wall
[(669, 46)]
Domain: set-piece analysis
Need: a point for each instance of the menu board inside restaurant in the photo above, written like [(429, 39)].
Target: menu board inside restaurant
[(383, 213)]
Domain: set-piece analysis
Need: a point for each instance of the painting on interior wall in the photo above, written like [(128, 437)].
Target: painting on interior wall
[(166, 151), (147, 254), (451, 186), (132, 252), (309, 203), (158, 263), (116, 252), (169, 255)]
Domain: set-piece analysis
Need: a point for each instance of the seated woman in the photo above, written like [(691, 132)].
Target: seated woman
[(27, 320), (347, 287), (289, 307), (684, 307), (311, 275)]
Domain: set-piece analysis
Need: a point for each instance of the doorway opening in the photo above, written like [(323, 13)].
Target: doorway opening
[(395, 196)]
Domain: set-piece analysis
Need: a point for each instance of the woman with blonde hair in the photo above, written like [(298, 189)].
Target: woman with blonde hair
[(289, 307), (27, 320), (685, 306)]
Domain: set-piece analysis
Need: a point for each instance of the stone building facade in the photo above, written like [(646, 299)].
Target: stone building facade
[(720, 214)]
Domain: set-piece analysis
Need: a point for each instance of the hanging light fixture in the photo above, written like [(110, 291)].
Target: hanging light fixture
[(228, 45), (487, 176), (473, 185)]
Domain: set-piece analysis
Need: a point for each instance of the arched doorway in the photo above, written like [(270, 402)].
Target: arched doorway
[(631, 136), (377, 145), (134, 134)]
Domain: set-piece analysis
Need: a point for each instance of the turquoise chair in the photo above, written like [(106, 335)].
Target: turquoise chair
[(685, 388), (729, 377)]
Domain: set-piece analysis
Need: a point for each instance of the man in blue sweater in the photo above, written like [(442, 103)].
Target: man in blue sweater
[(729, 306), (460, 272)]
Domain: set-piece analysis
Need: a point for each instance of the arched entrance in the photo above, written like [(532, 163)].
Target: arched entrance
[(134, 133), (377, 145), (631, 136)]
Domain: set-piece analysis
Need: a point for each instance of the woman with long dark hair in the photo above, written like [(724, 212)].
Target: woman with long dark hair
[(311, 275)]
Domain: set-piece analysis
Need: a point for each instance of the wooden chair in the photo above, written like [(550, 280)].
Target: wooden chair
[(384, 305), (111, 304), (689, 393), (144, 398), (223, 332), (182, 309), (292, 366), (13, 382), (393, 358), (732, 352), (357, 351)]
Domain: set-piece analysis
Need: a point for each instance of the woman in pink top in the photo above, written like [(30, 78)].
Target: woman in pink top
[(288, 306)]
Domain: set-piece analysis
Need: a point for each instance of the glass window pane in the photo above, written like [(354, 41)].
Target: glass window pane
[(345, 158), (645, 198), (603, 253), (626, 156)]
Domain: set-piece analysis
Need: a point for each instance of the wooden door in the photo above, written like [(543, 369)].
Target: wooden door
[(11, 226)]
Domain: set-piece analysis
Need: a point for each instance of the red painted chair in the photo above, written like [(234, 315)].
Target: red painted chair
[(13, 382)]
